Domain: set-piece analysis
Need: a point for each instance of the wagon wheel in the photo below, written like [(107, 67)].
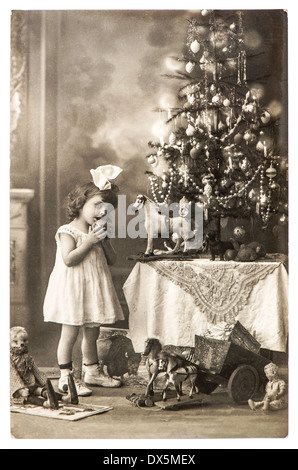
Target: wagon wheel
[(243, 383)]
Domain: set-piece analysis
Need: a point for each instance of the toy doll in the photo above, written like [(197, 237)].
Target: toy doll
[(28, 385), (275, 397)]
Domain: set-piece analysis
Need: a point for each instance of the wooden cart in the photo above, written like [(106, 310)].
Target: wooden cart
[(229, 364)]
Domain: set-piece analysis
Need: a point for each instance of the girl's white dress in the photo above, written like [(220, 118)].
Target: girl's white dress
[(83, 294)]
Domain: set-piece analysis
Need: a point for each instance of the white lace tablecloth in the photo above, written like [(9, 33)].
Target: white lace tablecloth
[(176, 300)]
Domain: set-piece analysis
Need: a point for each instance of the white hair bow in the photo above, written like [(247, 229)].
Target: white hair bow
[(103, 174)]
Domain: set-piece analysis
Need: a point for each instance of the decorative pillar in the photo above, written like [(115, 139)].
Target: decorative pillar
[(19, 199)]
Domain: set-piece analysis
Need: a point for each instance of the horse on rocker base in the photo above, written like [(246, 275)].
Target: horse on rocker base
[(177, 369), (157, 223)]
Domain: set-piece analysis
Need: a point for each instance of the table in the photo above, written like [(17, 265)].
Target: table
[(176, 300)]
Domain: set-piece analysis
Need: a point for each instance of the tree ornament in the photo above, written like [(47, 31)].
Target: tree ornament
[(249, 108), (152, 159), (172, 138), (264, 200), (244, 165), (195, 46), (265, 117), (253, 195), (283, 220), (212, 89), (226, 102), (217, 99), (194, 153), (247, 135), (190, 131), (190, 66), (271, 172), (225, 183), (208, 178), (191, 98), (205, 12), (208, 190), (260, 146), (238, 138), (233, 27)]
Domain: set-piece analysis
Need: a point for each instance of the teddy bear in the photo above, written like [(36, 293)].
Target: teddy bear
[(28, 385), (251, 252)]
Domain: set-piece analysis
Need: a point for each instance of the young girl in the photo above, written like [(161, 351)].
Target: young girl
[(80, 291)]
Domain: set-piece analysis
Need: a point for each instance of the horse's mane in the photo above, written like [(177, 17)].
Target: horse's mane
[(148, 199)]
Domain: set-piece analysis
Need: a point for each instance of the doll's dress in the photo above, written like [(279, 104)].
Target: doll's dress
[(83, 294)]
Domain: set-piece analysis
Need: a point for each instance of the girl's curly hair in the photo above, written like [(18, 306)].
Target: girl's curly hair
[(77, 198)]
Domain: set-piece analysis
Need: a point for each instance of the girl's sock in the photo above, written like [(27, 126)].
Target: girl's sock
[(65, 369), (92, 368)]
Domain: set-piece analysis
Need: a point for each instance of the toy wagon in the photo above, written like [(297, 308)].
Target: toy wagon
[(235, 363)]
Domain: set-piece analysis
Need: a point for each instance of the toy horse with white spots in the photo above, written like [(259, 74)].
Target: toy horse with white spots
[(159, 223), (178, 370)]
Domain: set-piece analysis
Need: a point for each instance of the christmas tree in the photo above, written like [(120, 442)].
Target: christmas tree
[(220, 146)]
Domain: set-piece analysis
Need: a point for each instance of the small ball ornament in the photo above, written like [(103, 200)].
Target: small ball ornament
[(271, 172), (217, 99), (205, 12), (283, 220), (226, 102), (194, 153), (238, 138), (265, 118)]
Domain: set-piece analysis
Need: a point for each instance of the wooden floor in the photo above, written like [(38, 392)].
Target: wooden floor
[(206, 417)]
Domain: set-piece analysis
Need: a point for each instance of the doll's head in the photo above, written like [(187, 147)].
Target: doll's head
[(19, 341), (271, 371), (82, 193)]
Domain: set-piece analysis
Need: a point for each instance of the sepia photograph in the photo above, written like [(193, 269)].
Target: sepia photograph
[(149, 226)]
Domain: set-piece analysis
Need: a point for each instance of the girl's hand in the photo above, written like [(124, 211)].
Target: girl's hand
[(97, 233), (101, 232), (100, 229)]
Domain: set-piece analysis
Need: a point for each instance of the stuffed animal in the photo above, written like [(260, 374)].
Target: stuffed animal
[(259, 249), (246, 253), (217, 247), (230, 255), (118, 355), (251, 252)]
